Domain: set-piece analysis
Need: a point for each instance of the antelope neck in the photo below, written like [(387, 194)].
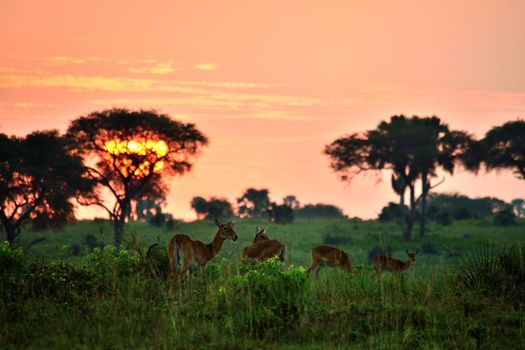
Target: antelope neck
[(215, 246)]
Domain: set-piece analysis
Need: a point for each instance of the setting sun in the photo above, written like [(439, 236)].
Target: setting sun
[(151, 152)]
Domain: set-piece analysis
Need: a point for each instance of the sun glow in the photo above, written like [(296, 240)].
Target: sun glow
[(123, 153)]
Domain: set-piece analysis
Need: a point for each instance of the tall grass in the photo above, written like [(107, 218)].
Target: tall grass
[(122, 299)]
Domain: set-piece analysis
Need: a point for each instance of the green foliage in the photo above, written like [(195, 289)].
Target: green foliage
[(38, 178), (126, 299), (505, 217), (494, 270), (274, 296)]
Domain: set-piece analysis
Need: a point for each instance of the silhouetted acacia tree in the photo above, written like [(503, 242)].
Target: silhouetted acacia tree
[(212, 208), (38, 179), (437, 147), (292, 202), (126, 150), (254, 203), (281, 213), (412, 148), (503, 147)]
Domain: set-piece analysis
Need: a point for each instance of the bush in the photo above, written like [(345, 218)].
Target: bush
[(505, 217), (490, 270), (92, 242), (444, 218), (275, 296)]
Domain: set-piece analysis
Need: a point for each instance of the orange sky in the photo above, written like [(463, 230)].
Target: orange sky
[(270, 82)]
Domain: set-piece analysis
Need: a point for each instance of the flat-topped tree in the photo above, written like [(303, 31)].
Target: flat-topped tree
[(503, 147), (38, 179), (127, 150), (411, 148)]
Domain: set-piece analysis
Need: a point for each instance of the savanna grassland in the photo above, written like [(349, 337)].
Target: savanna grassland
[(466, 290)]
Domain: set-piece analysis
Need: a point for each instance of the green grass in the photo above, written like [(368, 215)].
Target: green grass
[(50, 299)]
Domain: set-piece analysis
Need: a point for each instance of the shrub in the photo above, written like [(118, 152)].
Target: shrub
[(494, 270), (10, 259), (444, 218), (505, 217), (92, 242), (275, 296)]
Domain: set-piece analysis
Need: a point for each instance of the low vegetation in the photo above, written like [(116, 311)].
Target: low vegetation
[(468, 293)]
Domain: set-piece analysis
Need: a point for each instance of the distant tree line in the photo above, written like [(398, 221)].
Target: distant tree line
[(256, 203), (444, 208)]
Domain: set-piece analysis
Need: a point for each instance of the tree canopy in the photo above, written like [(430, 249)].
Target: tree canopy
[(254, 202), (38, 178), (126, 151), (212, 208), (503, 147), (411, 148)]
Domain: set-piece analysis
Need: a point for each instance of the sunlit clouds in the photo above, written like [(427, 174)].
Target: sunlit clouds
[(205, 66)]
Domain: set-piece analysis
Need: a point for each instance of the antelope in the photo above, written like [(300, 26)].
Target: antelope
[(329, 256), (387, 263), (190, 250), (260, 235), (263, 247)]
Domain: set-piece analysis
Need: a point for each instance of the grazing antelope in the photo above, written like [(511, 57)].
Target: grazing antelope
[(260, 235), (329, 256), (263, 247), (389, 264), (188, 250)]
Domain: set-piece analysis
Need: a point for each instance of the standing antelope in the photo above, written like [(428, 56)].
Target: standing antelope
[(189, 250), (387, 263), (264, 247), (260, 235), (329, 256)]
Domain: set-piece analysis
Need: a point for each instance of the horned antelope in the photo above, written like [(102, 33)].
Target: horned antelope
[(260, 235), (188, 250), (263, 247), (329, 256), (389, 264)]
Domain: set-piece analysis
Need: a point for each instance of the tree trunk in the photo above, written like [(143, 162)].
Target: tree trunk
[(424, 192), (402, 217), (120, 221), (10, 232), (118, 231), (411, 214)]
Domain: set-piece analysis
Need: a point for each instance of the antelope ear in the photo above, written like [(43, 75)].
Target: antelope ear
[(217, 222), (406, 250), (231, 223), (256, 230), (263, 231)]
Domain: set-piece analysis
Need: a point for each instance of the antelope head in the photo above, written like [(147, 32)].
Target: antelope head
[(226, 231), (412, 256), (260, 235)]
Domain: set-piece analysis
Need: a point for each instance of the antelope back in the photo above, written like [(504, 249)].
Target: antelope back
[(264, 250)]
